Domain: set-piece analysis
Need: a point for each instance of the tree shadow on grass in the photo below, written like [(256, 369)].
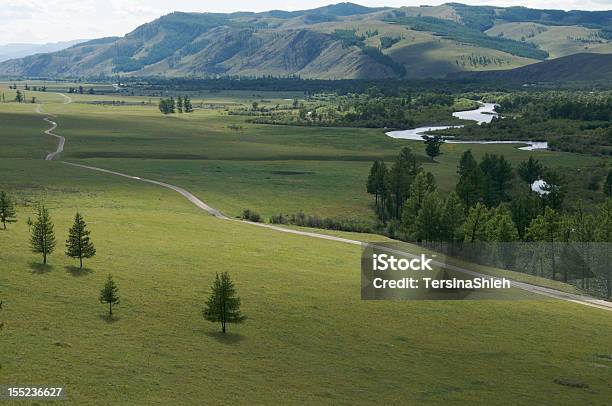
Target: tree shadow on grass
[(227, 338), (76, 271), (39, 268), (108, 318)]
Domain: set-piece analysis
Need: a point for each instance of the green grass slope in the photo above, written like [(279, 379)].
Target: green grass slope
[(308, 337)]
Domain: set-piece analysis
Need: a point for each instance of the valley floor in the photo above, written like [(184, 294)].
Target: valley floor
[(308, 337)]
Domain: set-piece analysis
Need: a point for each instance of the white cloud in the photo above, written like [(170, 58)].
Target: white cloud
[(60, 20)]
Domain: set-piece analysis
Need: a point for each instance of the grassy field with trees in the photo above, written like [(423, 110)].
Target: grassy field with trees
[(305, 320), (163, 254)]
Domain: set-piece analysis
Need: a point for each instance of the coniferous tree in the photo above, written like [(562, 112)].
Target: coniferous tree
[(423, 184), (554, 190), (429, 220), (524, 208), (476, 221), (42, 240), (497, 174), (500, 226), (453, 217), (7, 209), (530, 171), (109, 294), (179, 104), (223, 306), (187, 106), (547, 227), (432, 146), (371, 183), (79, 244), (470, 178), (401, 175)]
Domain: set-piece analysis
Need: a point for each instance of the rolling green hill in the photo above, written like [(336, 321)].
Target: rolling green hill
[(342, 41)]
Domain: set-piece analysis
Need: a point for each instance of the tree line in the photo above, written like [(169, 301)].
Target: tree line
[(181, 105), (482, 207)]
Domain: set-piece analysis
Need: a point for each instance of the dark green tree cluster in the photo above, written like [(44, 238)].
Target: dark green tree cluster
[(392, 186), (167, 106), (481, 209), (487, 181), (181, 105)]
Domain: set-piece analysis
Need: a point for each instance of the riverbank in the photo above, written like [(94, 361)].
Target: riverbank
[(484, 114)]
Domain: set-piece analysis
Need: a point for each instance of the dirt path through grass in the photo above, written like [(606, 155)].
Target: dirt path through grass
[(583, 300)]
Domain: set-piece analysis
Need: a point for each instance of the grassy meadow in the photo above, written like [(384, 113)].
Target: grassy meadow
[(308, 337), (271, 169)]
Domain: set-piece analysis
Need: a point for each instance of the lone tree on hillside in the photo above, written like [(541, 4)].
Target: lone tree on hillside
[(7, 210), (222, 305), (432, 145), (78, 244), (110, 294), (43, 237)]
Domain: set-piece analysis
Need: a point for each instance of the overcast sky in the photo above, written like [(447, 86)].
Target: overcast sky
[(41, 21)]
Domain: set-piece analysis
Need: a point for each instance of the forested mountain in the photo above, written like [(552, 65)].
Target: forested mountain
[(338, 41)]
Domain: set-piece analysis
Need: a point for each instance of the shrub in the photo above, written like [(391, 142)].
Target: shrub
[(251, 215)]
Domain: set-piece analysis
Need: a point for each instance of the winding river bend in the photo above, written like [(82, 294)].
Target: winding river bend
[(483, 114)]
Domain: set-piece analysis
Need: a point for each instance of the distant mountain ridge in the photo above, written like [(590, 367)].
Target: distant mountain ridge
[(340, 41), (20, 50)]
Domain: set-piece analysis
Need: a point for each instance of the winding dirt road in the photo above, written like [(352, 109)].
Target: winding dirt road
[(579, 299), (61, 140)]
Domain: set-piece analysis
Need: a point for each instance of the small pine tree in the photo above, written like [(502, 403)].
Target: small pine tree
[(79, 244), (110, 294), (222, 305), (7, 209), (179, 104), (187, 106), (43, 236), (432, 146)]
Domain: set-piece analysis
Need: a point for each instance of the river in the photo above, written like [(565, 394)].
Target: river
[(483, 114)]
